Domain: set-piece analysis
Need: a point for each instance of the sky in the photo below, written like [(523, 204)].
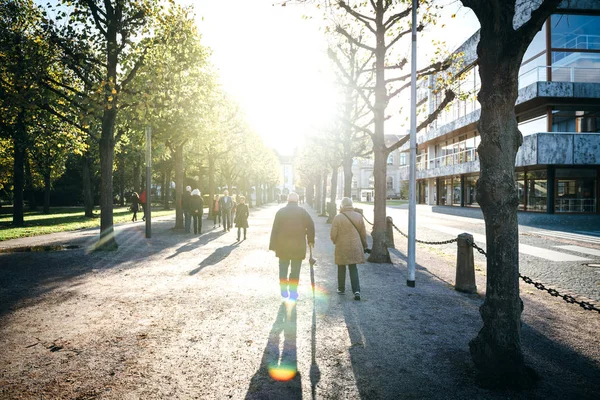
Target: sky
[(274, 62)]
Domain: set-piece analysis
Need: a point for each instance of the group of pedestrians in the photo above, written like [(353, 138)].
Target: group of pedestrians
[(227, 211), (293, 228)]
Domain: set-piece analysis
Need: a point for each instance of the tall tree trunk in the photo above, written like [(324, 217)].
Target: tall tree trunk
[(324, 194), (348, 176), (496, 350), (122, 182), (47, 191), (18, 169), (258, 193), (331, 211), (211, 179), (310, 194), (107, 233), (379, 252), (317, 199), (167, 188), (29, 187), (178, 156), (88, 199)]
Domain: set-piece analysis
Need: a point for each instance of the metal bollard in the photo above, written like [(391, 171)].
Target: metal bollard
[(389, 226), (465, 266)]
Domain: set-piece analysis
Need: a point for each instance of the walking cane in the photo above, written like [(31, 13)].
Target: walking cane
[(312, 262)]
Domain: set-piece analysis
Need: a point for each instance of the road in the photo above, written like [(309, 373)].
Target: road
[(560, 253)]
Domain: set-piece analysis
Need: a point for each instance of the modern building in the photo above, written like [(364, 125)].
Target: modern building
[(558, 111), (286, 174)]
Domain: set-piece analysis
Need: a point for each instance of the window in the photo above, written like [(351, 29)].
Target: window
[(402, 158), (354, 183), (575, 42), (390, 183), (575, 32), (575, 121), (390, 160), (534, 125)]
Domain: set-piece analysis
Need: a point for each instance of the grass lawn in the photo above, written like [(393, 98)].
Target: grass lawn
[(61, 220)]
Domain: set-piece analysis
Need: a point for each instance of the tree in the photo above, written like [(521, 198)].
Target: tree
[(24, 58), (103, 44), (496, 351), (178, 95), (384, 26)]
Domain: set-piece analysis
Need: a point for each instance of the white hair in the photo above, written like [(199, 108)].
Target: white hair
[(293, 197), (346, 202), (195, 192), (188, 188)]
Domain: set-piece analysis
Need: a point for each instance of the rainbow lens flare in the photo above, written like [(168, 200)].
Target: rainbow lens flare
[(282, 373)]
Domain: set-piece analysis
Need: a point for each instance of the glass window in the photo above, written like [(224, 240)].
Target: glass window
[(537, 190), (537, 45), (471, 191), (390, 160), (575, 31), (575, 121), (534, 125), (456, 192), (521, 189), (390, 182), (575, 195)]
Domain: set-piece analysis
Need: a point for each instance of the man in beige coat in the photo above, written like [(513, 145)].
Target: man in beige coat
[(349, 235)]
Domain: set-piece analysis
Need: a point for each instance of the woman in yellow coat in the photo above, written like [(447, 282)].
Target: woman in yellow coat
[(349, 235)]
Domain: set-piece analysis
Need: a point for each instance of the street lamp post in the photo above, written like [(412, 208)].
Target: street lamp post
[(412, 198), (148, 181)]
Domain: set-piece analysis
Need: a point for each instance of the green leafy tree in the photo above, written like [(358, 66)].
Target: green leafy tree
[(24, 60), (103, 44)]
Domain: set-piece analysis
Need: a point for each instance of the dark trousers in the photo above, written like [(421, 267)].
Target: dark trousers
[(197, 223), (226, 219), (289, 282), (239, 229), (217, 217), (353, 278)]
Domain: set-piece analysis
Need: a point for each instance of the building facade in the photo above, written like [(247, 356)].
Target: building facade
[(558, 111)]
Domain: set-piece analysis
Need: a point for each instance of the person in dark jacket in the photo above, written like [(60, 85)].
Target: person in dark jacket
[(225, 205), (135, 205), (197, 208), (241, 216), (292, 228), (187, 208)]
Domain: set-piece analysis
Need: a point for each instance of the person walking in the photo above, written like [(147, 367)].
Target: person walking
[(349, 236), (197, 209), (226, 204), (215, 211), (135, 205), (292, 228), (143, 204), (241, 217), (187, 208)]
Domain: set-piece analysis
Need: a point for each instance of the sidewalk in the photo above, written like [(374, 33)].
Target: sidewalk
[(185, 317)]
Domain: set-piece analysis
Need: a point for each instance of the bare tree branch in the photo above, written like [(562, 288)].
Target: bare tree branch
[(396, 17), (360, 17), (351, 39), (98, 20)]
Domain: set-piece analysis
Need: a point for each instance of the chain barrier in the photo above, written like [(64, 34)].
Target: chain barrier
[(423, 241), (552, 292)]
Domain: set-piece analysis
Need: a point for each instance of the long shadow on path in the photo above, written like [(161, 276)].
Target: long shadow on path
[(216, 257), (278, 376), (415, 345)]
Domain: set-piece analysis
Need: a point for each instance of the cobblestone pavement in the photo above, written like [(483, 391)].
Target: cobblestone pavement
[(555, 249), (181, 317)]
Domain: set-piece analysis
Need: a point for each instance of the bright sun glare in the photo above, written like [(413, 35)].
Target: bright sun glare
[(273, 63)]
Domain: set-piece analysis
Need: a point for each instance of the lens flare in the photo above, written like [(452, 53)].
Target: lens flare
[(282, 372)]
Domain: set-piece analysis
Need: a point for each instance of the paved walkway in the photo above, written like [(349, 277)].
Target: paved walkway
[(184, 317)]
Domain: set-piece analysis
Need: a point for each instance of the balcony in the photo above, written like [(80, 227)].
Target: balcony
[(559, 74)]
